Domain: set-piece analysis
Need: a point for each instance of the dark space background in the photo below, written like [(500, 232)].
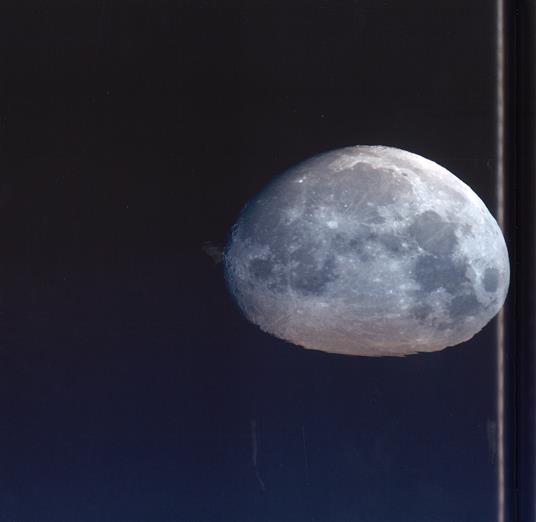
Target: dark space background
[(130, 385)]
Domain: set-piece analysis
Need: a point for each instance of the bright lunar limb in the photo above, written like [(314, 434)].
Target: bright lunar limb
[(368, 250)]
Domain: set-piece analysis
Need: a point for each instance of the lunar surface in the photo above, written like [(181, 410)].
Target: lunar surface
[(370, 251)]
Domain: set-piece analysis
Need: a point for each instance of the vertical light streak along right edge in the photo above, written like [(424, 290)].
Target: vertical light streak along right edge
[(500, 119)]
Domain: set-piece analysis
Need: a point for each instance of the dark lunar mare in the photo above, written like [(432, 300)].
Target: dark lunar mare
[(307, 276), (305, 257)]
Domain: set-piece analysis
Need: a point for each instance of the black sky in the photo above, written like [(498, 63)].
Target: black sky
[(129, 381)]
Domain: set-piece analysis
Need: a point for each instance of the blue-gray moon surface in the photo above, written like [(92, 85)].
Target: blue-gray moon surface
[(368, 250)]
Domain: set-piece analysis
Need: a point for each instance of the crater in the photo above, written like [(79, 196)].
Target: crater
[(433, 234), (443, 326), (375, 219), (266, 271), (463, 305), (261, 269), (391, 242), (257, 222), (433, 272), (358, 245), (308, 276), (421, 311), (381, 185), (491, 280)]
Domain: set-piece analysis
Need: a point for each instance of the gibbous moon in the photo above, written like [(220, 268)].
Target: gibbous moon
[(368, 251)]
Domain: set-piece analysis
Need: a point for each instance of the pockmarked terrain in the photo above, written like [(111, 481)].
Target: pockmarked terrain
[(368, 250)]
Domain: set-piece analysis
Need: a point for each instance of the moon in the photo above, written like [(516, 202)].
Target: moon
[(368, 250)]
